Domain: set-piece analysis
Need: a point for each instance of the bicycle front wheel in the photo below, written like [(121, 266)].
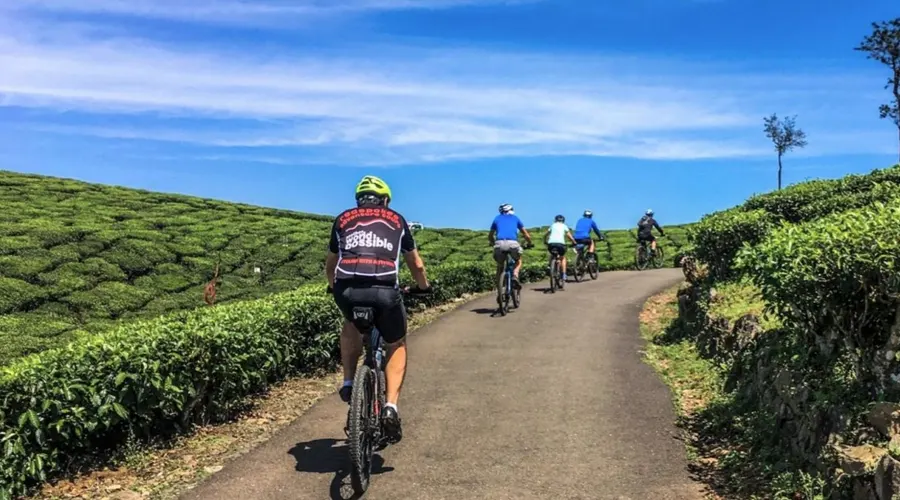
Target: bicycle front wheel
[(516, 295), (593, 267), (659, 258), (360, 439)]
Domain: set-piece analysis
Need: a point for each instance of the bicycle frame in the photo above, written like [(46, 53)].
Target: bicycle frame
[(510, 268), (373, 344)]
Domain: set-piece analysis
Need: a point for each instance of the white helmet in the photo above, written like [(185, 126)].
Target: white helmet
[(650, 211), (506, 208)]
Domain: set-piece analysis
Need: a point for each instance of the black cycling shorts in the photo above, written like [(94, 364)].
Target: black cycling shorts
[(583, 241), (556, 249), (646, 237), (390, 314)]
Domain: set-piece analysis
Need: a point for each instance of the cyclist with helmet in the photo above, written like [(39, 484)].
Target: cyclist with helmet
[(555, 238), (645, 230), (362, 267), (583, 229), (503, 236)]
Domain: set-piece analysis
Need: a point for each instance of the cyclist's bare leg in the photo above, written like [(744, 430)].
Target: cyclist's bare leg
[(351, 349), (518, 266), (563, 264), (653, 245), (591, 249), (395, 370)]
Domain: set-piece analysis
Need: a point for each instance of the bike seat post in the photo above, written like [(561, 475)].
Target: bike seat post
[(364, 320)]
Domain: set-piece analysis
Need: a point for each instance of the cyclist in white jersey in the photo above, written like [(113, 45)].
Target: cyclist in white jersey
[(556, 240)]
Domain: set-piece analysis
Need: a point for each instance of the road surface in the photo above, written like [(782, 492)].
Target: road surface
[(549, 402)]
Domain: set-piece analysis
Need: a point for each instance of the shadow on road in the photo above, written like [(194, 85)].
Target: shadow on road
[(484, 310), (330, 456)]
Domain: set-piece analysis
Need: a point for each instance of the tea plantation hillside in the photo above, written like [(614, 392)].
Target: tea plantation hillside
[(785, 341), (79, 257)]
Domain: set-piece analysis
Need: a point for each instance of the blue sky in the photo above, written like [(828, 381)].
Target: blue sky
[(554, 105)]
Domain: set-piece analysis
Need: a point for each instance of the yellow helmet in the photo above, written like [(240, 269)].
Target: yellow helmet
[(373, 185)]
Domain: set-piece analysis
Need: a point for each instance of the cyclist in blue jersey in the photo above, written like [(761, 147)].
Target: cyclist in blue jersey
[(583, 229), (504, 238)]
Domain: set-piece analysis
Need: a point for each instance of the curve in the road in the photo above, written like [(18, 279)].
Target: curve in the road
[(551, 401)]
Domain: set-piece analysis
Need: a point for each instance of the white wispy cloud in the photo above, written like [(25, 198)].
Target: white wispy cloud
[(247, 12), (382, 105)]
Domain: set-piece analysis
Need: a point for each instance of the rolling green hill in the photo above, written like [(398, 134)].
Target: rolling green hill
[(78, 258)]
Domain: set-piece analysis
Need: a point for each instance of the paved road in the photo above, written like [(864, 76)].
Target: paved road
[(549, 402)]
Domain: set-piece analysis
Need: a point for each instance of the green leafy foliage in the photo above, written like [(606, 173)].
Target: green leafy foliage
[(835, 277), (719, 236)]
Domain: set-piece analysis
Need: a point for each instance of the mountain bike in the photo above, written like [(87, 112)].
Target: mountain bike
[(556, 279), (506, 291), (365, 429), (645, 256), (585, 262)]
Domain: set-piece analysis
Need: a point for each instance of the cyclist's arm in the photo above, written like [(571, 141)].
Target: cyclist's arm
[(412, 258), (547, 236), (492, 233), (331, 258), (596, 230), (661, 232), (416, 268), (525, 232), (571, 238), (330, 267)]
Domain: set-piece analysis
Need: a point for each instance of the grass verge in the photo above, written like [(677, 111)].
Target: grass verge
[(164, 470), (729, 442)]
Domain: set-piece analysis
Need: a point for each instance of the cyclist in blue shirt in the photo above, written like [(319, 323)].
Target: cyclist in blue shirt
[(583, 229), (504, 238)]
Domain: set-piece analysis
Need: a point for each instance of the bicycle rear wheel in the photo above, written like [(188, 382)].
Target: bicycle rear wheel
[(554, 269), (579, 268), (360, 440), (640, 258), (503, 298), (592, 266)]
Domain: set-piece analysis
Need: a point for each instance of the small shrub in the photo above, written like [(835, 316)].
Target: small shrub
[(717, 238)]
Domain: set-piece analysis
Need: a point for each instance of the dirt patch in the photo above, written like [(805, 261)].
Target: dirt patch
[(166, 470), (657, 311)]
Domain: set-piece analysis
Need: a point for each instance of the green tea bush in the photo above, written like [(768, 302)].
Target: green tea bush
[(718, 237), (16, 294), (835, 280)]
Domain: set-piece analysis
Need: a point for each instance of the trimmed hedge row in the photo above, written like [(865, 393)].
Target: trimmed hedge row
[(159, 377), (804, 201), (835, 281), (718, 237)]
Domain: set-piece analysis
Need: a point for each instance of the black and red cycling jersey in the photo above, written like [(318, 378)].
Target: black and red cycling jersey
[(368, 242)]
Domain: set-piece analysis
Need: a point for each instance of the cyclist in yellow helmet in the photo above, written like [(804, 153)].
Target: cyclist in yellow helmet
[(362, 267)]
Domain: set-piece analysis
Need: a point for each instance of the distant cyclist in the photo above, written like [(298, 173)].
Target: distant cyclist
[(504, 238), (645, 230), (362, 264), (583, 229), (556, 241)]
